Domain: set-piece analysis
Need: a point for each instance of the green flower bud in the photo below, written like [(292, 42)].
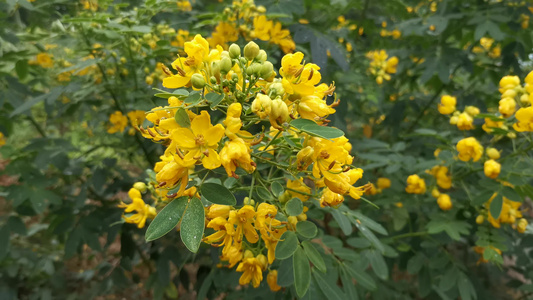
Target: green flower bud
[(266, 69), (198, 81), (251, 50), (215, 68), (234, 51), (140, 186), (213, 80), (234, 77), (225, 65), (224, 54), (262, 56)]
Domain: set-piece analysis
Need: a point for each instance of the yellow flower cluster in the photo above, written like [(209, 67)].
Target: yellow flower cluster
[(486, 45), (381, 65), (440, 173), (248, 92), (469, 149), (43, 59), (142, 210), (510, 214), (415, 185), (382, 183), (447, 104), (246, 19), (119, 121), (464, 120)]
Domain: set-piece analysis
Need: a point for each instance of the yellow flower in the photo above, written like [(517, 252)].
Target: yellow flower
[(136, 117), (492, 168), (118, 122), (444, 202), (44, 60), (297, 78), (480, 250), (330, 198), (262, 106), (262, 28), (469, 148), (170, 171), (298, 186), (509, 213), (441, 174), (447, 104), (143, 210), (282, 37), (521, 227), (509, 83), (372, 190), (218, 210), (197, 53), (200, 141), (184, 5), (243, 220), (383, 183), (507, 107), (524, 117), (252, 268), (490, 124), (493, 153), (236, 153), (272, 280), (415, 185), (465, 121)]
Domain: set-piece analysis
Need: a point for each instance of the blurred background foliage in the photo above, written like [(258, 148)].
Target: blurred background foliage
[(75, 74)]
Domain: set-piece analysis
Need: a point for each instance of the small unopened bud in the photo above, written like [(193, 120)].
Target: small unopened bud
[(234, 77), (224, 54), (435, 193), (454, 120), (480, 219), (198, 81), (251, 50), (277, 88), (266, 69), (140, 186), (511, 135), (234, 51), (261, 9), (493, 153), (262, 106), (524, 98), (472, 110), (225, 65), (304, 158), (279, 113), (262, 56), (213, 80)]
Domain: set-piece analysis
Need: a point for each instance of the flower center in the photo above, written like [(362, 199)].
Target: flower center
[(199, 140)]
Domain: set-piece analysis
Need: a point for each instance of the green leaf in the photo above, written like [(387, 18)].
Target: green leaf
[(263, 193), (4, 241), (21, 67), (300, 123), (496, 206), (214, 99), (287, 245), (449, 279), (358, 242), (348, 285), (193, 225), (370, 236), (193, 98), (365, 280), (375, 226), (277, 189), (286, 273), (322, 131), (454, 228), (332, 291), (511, 194), (306, 229), (182, 118), (294, 207), (466, 290), (218, 194), (314, 256), (379, 266), (302, 272), (343, 221), (415, 263), (166, 219), (492, 256)]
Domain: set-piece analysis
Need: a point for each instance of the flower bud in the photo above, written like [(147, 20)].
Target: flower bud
[(198, 81), (511, 135), (225, 65), (304, 158), (472, 110), (266, 69), (262, 106), (234, 51), (262, 56), (279, 113), (261, 9), (225, 54), (213, 80), (454, 120), (140, 186), (524, 99), (251, 50), (234, 77), (480, 219), (493, 153), (278, 89), (444, 202), (435, 193)]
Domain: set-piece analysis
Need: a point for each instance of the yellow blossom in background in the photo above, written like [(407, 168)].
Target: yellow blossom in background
[(440, 173), (492, 168), (490, 124), (507, 107), (447, 104), (444, 202), (481, 250), (381, 65), (469, 148), (415, 185), (118, 122), (184, 5), (43, 59), (508, 215), (272, 280), (2, 139), (143, 210), (383, 183), (136, 117), (90, 4), (493, 153)]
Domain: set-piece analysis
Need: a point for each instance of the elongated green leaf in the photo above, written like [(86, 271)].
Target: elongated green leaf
[(166, 219), (370, 236), (218, 194), (322, 131), (287, 245), (4, 239), (314, 256), (332, 292), (294, 207), (192, 225), (182, 118), (306, 229), (496, 206), (511, 194), (375, 226), (466, 290), (343, 221), (349, 286), (193, 98), (378, 264), (214, 99), (300, 123), (302, 272), (286, 273), (362, 278)]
